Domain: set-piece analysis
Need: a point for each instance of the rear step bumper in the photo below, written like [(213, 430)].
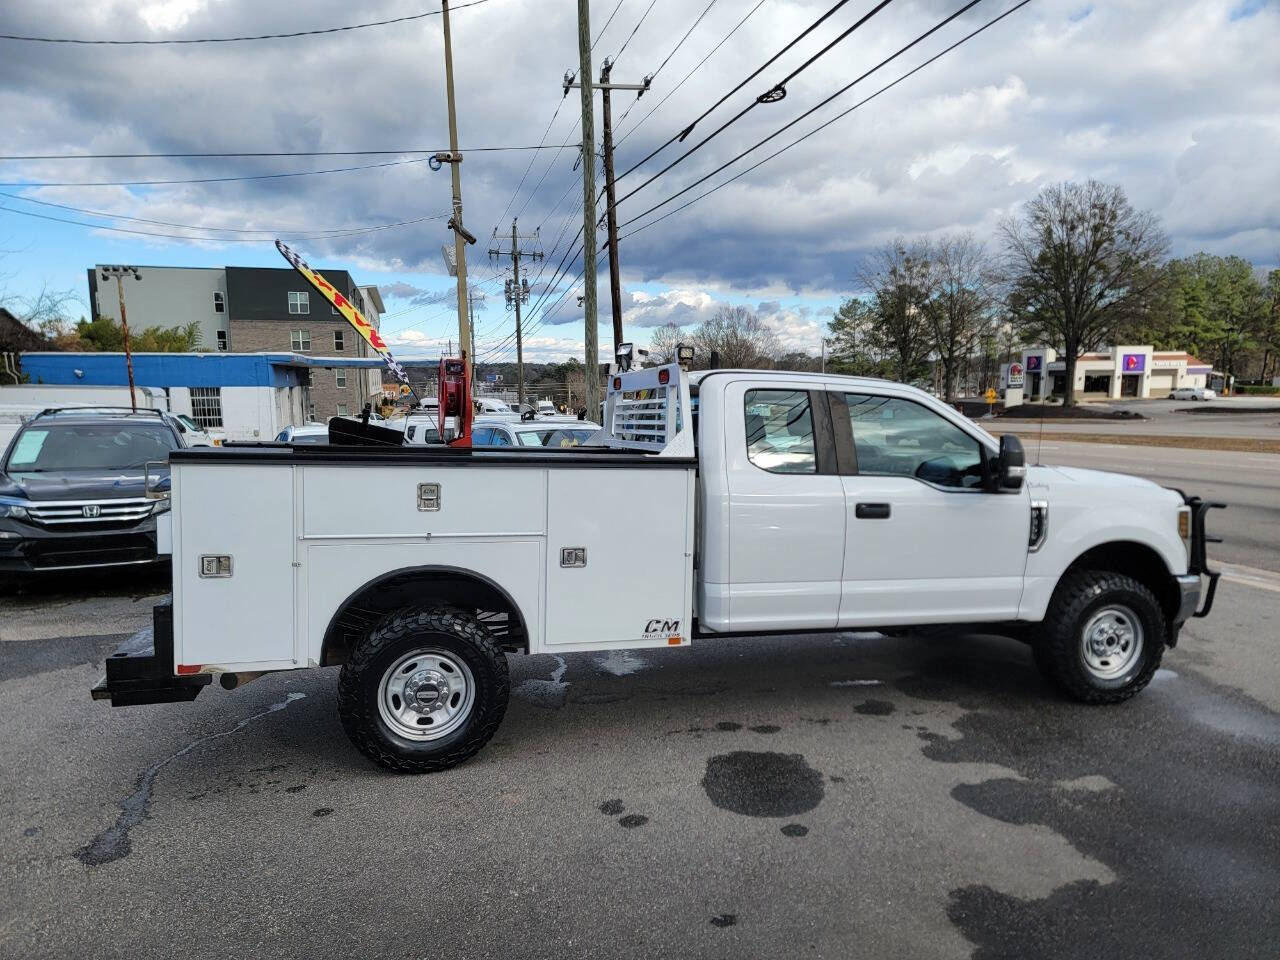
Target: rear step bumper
[(140, 670)]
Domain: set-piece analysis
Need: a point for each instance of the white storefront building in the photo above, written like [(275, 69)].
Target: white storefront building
[(1122, 371)]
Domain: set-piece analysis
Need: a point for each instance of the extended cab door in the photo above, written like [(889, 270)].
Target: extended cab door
[(926, 542), (786, 508)]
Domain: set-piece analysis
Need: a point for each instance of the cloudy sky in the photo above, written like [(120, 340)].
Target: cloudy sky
[(1174, 100)]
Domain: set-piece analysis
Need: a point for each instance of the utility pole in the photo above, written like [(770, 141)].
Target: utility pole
[(606, 87), (460, 236), (119, 273), (588, 208), (517, 291)]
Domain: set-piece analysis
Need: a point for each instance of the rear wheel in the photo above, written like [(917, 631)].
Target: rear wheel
[(1102, 638), (424, 690)]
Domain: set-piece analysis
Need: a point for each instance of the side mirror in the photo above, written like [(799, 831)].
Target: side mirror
[(1011, 468)]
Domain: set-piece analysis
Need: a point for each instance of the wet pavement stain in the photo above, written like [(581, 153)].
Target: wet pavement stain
[(765, 728), (322, 811), (724, 920), (114, 843), (1189, 823), (296, 788), (794, 830), (632, 820), (611, 808), (874, 708), (762, 784), (728, 726), (31, 832), (548, 694)]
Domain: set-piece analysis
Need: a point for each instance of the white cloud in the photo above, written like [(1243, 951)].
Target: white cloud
[(1175, 101)]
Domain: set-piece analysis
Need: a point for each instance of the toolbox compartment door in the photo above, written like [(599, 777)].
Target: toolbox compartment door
[(243, 617), (632, 583)]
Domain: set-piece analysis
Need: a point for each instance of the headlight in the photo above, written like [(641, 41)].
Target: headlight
[(161, 506), (12, 511)]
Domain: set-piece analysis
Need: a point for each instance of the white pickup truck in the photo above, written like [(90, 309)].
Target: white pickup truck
[(771, 502)]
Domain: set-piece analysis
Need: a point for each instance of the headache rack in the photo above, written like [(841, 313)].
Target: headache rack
[(648, 410)]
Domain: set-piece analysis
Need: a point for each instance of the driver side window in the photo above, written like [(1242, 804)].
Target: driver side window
[(900, 438)]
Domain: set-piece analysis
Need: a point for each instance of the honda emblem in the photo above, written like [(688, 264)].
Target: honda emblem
[(91, 510)]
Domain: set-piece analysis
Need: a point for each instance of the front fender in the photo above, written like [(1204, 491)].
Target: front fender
[(1075, 528)]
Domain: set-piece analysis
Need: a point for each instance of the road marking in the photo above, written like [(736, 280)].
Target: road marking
[(1251, 577)]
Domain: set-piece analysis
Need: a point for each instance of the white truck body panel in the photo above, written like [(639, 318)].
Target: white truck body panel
[(300, 548), (310, 528)]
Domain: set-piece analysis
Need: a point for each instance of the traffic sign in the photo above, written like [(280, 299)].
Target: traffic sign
[(991, 396), (404, 389)]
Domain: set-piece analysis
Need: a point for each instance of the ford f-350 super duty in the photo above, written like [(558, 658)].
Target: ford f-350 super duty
[(767, 501)]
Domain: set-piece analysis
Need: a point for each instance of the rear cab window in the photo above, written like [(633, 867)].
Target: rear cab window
[(779, 428)]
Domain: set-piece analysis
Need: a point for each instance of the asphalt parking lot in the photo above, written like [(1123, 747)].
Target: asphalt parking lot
[(812, 795)]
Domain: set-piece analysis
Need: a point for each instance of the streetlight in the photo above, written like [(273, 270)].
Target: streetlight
[(120, 272)]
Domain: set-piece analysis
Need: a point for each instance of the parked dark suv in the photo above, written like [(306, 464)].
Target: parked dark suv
[(72, 489)]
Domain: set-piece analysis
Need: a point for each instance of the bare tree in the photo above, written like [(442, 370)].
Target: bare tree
[(663, 342), (899, 279), (47, 312), (738, 337), (959, 309), (1080, 263)]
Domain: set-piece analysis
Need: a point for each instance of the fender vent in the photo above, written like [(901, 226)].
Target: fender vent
[(1039, 530)]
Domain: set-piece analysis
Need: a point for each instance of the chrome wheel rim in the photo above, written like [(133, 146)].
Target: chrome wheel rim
[(426, 695), (1111, 642)]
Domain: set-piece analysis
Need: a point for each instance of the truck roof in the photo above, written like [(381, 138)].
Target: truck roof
[(697, 376)]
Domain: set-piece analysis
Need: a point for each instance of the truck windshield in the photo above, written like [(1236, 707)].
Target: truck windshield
[(52, 447)]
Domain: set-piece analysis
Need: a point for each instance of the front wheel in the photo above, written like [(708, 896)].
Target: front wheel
[(1102, 638), (424, 690)]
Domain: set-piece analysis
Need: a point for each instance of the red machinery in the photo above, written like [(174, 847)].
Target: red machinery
[(455, 400)]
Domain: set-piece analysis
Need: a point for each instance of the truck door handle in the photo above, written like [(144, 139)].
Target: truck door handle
[(871, 511)]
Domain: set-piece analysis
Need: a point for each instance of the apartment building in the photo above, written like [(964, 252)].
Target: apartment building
[(258, 310)]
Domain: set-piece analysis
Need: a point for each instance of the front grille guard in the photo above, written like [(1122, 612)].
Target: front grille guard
[(1199, 563)]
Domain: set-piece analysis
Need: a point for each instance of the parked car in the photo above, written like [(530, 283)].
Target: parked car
[(194, 435), (492, 406), (547, 409), (304, 433), (500, 432), (72, 489), (812, 502), (1193, 393), (419, 427)]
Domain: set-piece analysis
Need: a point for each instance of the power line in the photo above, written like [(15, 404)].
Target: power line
[(178, 236), (822, 126), (262, 153), (682, 81), (188, 180), (667, 58), (264, 36), (755, 73), (777, 92), (633, 31), (606, 23), (524, 176), (315, 233)]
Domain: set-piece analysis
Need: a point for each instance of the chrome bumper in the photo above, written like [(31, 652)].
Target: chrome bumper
[(1189, 589)]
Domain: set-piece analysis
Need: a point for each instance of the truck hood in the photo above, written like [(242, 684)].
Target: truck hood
[(1079, 481), (1099, 478), (74, 485)]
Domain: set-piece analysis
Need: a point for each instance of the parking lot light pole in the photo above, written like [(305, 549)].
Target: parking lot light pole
[(120, 273)]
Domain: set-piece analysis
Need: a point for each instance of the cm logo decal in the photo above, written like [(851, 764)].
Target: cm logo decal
[(661, 627)]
